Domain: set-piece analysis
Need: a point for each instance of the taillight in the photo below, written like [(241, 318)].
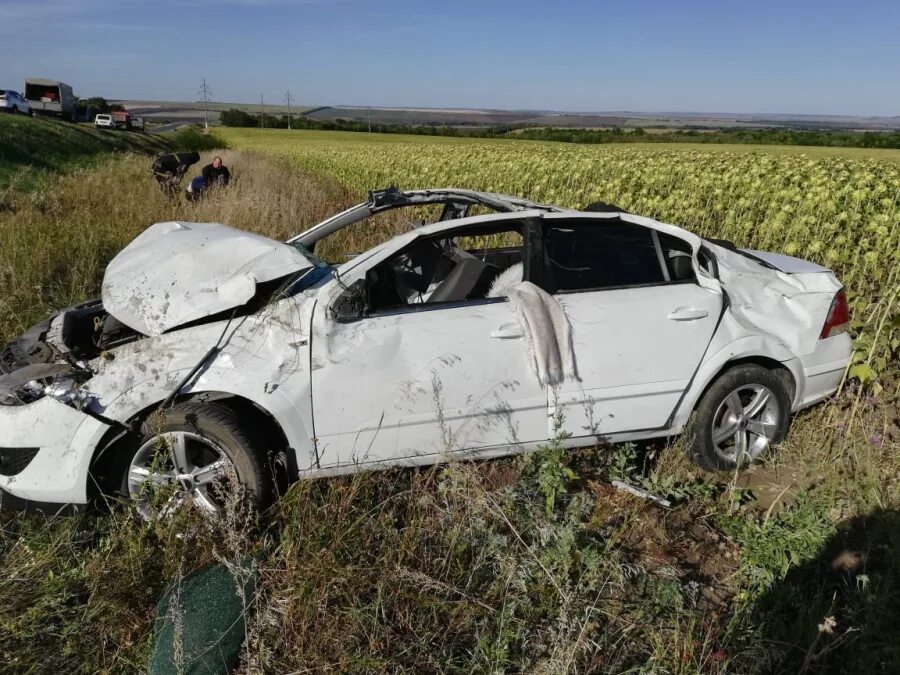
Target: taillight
[(838, 319)]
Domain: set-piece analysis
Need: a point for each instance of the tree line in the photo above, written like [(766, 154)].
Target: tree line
[(765, 136)]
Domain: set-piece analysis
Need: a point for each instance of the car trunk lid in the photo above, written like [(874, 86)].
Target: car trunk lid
[(785, 263)]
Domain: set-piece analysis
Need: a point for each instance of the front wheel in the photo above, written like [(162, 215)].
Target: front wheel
[(194, 454), (739, 418)]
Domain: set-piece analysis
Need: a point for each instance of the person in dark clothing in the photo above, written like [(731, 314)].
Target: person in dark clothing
[(216, 173), (169, 169)]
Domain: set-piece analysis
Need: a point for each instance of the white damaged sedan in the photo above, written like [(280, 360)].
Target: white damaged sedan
[(215, 352)]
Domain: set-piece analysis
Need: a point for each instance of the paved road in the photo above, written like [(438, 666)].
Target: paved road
[(172, 126)]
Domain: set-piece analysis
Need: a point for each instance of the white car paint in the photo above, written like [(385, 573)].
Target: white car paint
[(158, 283), (58, 473), (103, 121), (417, 387), (619, 391), (445, 385), (14, 102)]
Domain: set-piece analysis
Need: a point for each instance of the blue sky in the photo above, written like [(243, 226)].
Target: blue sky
[(650, 55)]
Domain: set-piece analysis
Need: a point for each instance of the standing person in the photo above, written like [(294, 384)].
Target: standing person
[(216, 173)]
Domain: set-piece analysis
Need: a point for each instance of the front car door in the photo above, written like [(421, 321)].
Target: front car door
[(641, 324), (434, 366)]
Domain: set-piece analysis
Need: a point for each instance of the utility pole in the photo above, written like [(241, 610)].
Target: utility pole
[(288, 98), (262, 112), (206, 93)]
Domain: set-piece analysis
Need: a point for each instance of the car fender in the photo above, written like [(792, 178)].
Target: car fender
[(759, 346), (263, 362), (290, 413)]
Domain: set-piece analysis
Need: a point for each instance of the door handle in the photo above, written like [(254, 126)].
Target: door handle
[(688, 314), (507, 331)]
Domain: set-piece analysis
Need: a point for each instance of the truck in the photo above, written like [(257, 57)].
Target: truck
[(126, 121), (50, 97), (122, 118)]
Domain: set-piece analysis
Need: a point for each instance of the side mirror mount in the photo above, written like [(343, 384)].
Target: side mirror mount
[(351, 304)]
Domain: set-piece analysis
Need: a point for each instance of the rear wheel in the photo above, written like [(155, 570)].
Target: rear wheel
[(739, 418), (14, 110), (194, 454)]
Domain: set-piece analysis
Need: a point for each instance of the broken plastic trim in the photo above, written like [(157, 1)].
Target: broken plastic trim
[(643, 494), (14, 461)]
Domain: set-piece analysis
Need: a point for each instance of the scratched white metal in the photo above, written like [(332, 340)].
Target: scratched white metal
[(65, 436), (174, 273)]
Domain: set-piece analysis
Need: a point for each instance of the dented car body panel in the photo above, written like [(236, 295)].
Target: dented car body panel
[(424, 382), (264, 359), (174, 273)]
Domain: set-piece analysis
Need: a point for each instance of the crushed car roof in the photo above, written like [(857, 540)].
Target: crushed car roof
[(456, 202)]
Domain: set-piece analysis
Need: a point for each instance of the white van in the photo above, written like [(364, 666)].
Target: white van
[(104, 122)]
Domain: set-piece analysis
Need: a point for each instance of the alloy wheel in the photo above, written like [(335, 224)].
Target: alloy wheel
[(745, 423), (183, 463)]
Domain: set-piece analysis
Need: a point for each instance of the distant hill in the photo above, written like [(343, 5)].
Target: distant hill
[(174, 111)]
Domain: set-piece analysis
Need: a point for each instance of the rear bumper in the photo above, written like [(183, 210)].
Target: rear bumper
[(65, 440), (823, 370)]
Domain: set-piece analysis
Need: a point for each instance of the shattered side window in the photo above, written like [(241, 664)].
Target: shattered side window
[(591, 255), (677, 255), (368, 233), (490, 242), (474, 263)]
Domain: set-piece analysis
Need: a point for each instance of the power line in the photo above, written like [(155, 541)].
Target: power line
[(206, 92), (287, 99)]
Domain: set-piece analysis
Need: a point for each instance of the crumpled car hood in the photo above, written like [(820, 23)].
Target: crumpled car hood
[(175, 272)]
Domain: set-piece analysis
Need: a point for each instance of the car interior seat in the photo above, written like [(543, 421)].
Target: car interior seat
[(680, 266), (469, 278)]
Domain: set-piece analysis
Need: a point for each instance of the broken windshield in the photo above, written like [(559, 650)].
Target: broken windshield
[(309, 255), (306, 278)]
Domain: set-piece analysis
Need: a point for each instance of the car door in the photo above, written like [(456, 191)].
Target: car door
[(422, 381), (640, 322)]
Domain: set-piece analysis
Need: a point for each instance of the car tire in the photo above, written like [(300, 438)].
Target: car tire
[(205, 434), (14, 110), (739, 418)]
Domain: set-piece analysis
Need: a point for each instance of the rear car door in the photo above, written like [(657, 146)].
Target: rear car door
[(641, 324)]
